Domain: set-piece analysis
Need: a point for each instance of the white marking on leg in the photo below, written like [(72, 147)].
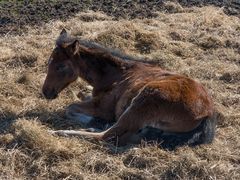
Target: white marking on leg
[(93, 130), (79, 117), (64, 132)]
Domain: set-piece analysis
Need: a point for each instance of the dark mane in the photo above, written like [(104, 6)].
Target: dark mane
[(93, 45), (114, 52)]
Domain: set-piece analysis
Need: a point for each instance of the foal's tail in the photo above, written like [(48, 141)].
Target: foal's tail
[(203, 134)]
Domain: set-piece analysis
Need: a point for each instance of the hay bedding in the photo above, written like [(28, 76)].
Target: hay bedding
[(203, 43)]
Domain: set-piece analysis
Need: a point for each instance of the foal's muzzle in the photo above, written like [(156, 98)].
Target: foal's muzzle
[(49, 94)]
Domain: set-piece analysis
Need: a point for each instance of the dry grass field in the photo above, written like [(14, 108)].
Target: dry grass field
[(202, 43)]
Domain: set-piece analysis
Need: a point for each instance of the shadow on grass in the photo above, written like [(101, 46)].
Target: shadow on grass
[(57, 120), (6, 120)]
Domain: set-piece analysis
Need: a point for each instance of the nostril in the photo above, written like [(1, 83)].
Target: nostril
[(54, 94), (49, 94)]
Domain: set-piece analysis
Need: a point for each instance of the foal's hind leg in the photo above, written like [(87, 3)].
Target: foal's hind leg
[(135, 117)]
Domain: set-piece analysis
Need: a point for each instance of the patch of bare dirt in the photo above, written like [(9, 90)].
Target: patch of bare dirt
[(15, 15)]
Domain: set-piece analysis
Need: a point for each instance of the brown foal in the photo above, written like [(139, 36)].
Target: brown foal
[(130, 93)]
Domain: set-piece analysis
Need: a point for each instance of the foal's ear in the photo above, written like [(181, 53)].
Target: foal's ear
[(64, 31), (73, 48)]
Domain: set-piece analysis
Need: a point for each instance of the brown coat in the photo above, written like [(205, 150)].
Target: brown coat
[(134, 94)]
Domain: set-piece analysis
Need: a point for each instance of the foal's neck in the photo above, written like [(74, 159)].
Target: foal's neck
[(101, 70)]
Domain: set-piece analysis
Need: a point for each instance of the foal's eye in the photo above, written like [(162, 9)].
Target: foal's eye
[(61, 68)]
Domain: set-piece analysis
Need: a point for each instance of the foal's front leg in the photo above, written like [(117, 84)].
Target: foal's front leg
[(138, 115), (80, 113), (122, 132), (84, 112)]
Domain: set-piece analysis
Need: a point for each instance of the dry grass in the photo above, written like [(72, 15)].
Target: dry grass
[(203, 43)]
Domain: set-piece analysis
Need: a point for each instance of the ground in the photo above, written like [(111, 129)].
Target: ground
[(16, 14), (200, 42)]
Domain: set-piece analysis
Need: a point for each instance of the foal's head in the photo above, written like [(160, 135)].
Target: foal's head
[(62, 66)]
